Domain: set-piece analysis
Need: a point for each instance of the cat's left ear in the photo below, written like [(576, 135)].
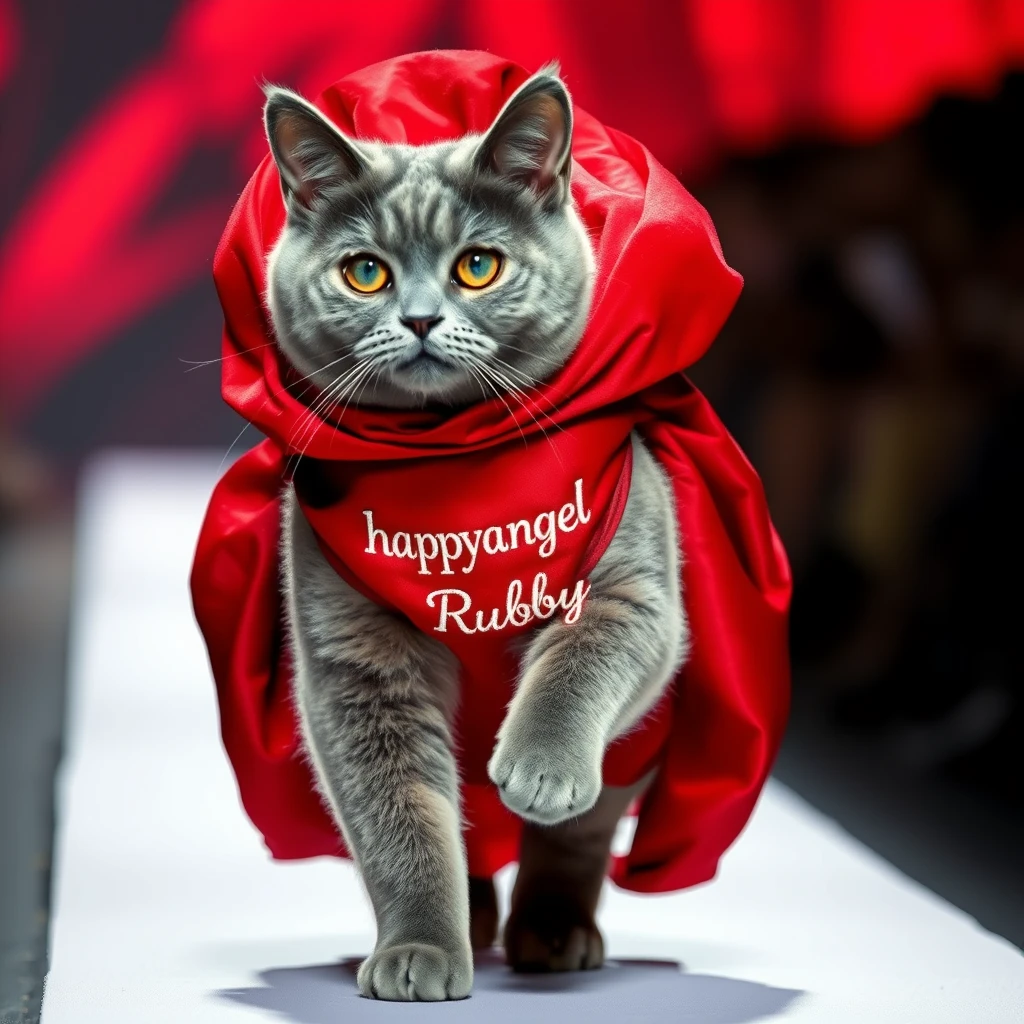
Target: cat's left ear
[(311, 154), (531, 138)]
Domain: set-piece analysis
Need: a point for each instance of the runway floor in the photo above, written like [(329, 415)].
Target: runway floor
[(167, 909)]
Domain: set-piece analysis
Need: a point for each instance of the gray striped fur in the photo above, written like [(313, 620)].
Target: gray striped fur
[(375, 696)]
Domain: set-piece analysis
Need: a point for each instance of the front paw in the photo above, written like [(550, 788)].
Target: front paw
[(416, 971), (546, 782)]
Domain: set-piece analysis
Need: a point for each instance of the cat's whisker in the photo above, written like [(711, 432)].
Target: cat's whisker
[(321, 402), (320, 369), (287, 390), (238, 437), (501, 397), (307, 428), (348, 385), (527, 381), (517, 396), (496, 378), (332, 395), (354, 354), (309, 420), (535, 384), (542, 394), (458, 342), (483, 391), (523, 399), (521, 374), (198, 364), (351, 390), (368, 380)]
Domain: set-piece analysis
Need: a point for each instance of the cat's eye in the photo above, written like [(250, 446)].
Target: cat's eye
[(477, 268), (365, 273)]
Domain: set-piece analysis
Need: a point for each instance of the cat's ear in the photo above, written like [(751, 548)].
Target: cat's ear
[(531, 138), (311, 154)]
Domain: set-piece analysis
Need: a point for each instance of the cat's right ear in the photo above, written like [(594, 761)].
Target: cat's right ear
[(530, 141), (310, 153)]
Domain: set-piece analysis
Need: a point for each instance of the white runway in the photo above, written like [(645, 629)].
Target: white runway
[(167, 909)]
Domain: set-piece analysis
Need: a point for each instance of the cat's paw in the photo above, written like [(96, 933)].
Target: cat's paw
[(552, 935), (545, 782), (415, 971)]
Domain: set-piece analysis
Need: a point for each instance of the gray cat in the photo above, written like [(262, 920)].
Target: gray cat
[(441, 274)]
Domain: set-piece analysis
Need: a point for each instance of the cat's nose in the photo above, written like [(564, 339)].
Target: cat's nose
[(421, 326)]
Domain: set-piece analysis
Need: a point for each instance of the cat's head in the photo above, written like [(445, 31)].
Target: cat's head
[(411, 275)]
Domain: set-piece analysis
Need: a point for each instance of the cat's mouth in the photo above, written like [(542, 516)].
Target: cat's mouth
[(424, 358), (427, 372), (427, 360)]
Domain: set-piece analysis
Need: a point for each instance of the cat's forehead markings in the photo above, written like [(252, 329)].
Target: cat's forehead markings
[(418, 207), (444, 222), (456, 160), (404, 201), (381, 159)]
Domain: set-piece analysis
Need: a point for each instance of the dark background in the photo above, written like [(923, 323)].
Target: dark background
[(864, 176)]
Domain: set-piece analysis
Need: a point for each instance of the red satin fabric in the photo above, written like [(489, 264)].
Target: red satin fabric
[(662, 292)]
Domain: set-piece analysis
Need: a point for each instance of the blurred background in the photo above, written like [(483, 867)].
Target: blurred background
[(861, 160)]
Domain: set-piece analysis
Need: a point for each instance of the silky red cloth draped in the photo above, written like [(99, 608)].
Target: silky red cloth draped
[(662, 292)]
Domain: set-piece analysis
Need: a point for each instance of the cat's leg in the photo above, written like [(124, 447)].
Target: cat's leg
[(584, 684), (375, 699), (552, 926)]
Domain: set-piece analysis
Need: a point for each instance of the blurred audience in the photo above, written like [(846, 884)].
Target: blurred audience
[(874, 371)]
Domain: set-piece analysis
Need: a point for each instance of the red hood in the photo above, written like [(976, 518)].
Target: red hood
[(662, 293), (662, 290)]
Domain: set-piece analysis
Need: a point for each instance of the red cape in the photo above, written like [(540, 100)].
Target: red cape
[(662, 293)]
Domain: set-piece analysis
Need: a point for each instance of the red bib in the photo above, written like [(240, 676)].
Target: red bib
[(481, 525), (477, 550)]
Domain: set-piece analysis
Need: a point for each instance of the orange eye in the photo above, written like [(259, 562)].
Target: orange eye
[(477, 268), (365, 274)]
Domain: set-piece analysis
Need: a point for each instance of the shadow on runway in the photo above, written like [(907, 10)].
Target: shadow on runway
[(633, 990)]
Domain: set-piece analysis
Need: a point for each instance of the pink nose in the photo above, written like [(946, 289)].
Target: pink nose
[(421, 326)]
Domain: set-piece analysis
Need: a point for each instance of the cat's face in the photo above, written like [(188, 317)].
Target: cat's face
[(410, 275)]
